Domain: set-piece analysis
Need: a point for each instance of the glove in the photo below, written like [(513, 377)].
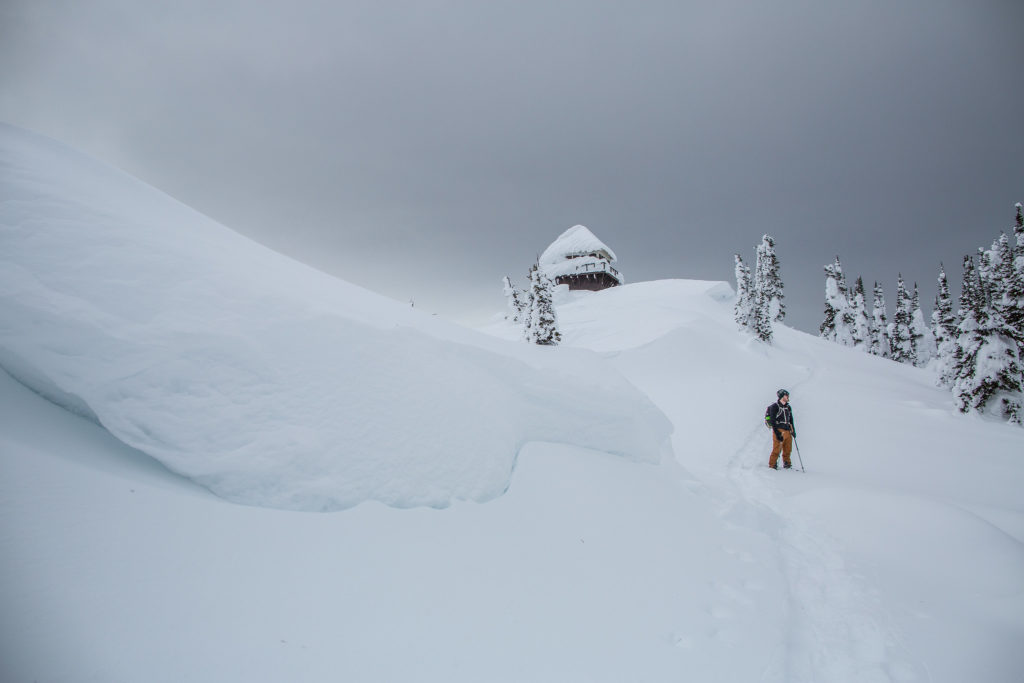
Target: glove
[(778, 435), (793, 431)]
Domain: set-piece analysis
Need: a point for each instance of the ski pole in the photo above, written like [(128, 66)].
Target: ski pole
[(795, 443)]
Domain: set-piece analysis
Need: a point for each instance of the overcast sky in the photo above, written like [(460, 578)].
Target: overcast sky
[(425, 149)]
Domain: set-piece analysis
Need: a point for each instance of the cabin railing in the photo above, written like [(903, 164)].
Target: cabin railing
[(598, 267)]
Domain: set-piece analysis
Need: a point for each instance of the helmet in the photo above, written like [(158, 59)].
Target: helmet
[(781, 393)]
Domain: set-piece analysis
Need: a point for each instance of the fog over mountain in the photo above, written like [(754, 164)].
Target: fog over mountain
[(425, 149)]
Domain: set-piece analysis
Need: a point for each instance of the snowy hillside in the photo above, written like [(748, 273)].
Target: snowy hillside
[(897, 556), (903, 545), (264, 380)]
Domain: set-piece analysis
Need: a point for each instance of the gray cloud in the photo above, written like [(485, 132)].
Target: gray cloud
[(425, 149)]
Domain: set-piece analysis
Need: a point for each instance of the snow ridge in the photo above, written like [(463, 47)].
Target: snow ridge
[(265, 380)]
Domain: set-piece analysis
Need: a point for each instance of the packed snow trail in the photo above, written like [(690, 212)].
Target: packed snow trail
[(833, 629), (829, 631), (826, 633), (865, 424)]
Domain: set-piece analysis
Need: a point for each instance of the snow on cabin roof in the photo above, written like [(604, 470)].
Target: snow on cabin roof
[(576, 241)]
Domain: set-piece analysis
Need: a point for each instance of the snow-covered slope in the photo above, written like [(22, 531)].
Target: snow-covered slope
[(264, 380), (897, 556), (589, 568), (903, 545)]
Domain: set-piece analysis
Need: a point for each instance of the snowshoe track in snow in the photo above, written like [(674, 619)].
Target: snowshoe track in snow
[(831, 632)]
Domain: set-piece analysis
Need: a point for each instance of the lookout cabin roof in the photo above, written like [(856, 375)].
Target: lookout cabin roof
[(577, 258), (575, 242)]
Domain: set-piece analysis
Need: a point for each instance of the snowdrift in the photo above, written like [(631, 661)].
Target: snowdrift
[(266, 381), (895, 557)]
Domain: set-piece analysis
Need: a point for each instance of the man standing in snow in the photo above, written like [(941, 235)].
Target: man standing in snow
[(779, 419)]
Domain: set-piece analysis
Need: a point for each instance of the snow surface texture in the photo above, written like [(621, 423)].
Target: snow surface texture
[(264, 380), (896, 557), (899, 553)]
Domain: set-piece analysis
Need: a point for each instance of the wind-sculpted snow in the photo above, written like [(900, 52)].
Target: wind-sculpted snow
[(269, 382)]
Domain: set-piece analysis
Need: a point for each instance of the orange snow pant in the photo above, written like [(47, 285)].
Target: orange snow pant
[(785, 447)]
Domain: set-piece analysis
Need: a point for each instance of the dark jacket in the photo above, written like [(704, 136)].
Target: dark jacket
[(779, 417)]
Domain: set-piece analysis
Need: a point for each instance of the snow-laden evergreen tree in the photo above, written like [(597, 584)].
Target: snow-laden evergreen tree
[(945, 330), (988, 371), (759, 297), (879, 345), (833, 313), (542, 321), (1013, 273), (1001, 277), (1018, 233), (838, 323), (848, 318), (761, 321), (517, 300), (921, 337), (744, 309), (901, 343), (987, 278), (762, 318), (1008, 295), (861, 321), (768, 279), (530, 307)]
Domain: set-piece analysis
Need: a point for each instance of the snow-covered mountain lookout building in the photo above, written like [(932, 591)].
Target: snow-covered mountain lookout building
[(578, 259)]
